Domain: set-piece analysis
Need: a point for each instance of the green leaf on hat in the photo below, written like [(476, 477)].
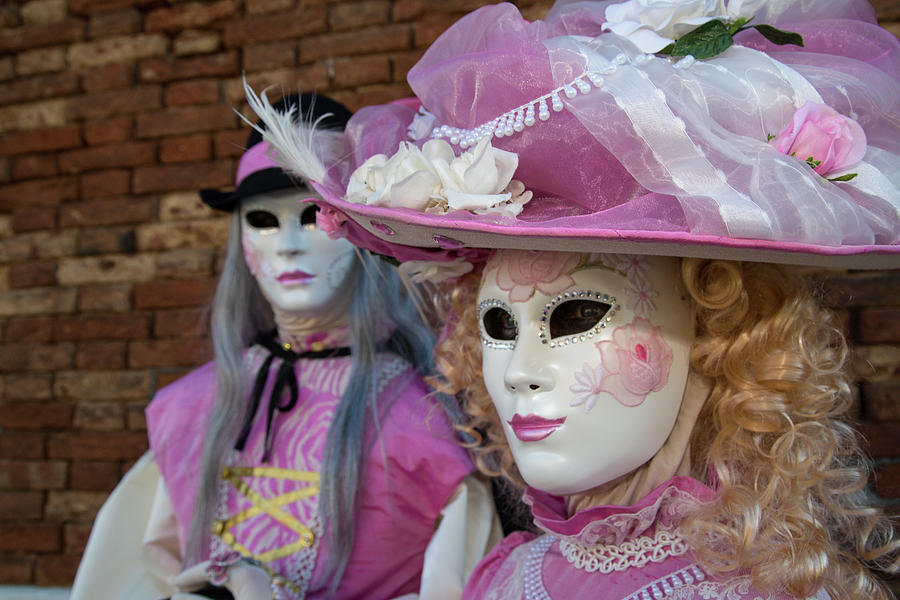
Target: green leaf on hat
[(846, 177), (710, 39), (777, 36)]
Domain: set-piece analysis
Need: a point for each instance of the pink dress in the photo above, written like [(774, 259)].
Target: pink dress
[(606, 552), (269, 511)]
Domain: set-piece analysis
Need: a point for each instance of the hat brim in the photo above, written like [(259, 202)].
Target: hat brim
[(405, 228), (265, 180)]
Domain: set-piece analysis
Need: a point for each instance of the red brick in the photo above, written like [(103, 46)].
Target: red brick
[(102, 327), (34, 537), (108, 131), (189, 16), (170, 69), (29, 329), (28, 386), (309, 77), (129, 154), (182, 93), (16, 506), (303, 22), (118, 22), (99, 416), (164, 379), (187, 148), (35, 357), (173, 294), (33, 218), (191, 322), (371, 95), (35, 36), (103, 385), (270, 56), (135, 420), (887, 481), (16, 444), (56, 569), (355, 15), (185, 263), (428, 29), (184, 120), (98, 184), (260, 7), (100, 355), (115, 297), (37, 165), (407, 10), (185, 352), (32, 274), (881, 401), (75, 537), (16, 569), (404, 61), (192, 42), (190, 234), (364, 70), (111, 103), (107, 212), (166, 178), (38, 88), (40, 140), (42, 191), (108, 77), (107, 445), (87, 7), (366, 41), (863, 289), (35, 415), (93, 475), (230, 144), (32, 475), (105, 240), (879, 325)]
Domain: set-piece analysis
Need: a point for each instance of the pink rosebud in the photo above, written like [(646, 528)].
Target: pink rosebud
[(826, 139), (331, 221)]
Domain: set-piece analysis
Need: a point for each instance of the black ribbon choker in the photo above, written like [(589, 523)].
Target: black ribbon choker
[(285, 378)]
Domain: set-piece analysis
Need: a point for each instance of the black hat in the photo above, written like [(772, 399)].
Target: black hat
[(256, 172)]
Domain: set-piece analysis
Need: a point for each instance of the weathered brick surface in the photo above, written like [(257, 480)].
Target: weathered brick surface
[(22, 505), (170, 69), (203, 91), (105, 445), (107, 212), (374, 39), (109, 103), (188, 148), (192, 42), (38, 88), (166, 178), (36, 537), (98, 184), (190, 16), (173, 294), (17, 444), (115, 297), (114, 155), (100, 355), (58, 138), (32, 475), (114, 22), (108, 77), (101, 327), (126, 48), (105, 240), (38, 165), (94, 475), (293, 25)]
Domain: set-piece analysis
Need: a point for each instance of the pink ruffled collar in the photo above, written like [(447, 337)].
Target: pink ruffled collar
[(662, 509)]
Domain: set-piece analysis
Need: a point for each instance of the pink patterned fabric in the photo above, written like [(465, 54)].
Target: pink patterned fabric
[(410, 473), (528, 567)]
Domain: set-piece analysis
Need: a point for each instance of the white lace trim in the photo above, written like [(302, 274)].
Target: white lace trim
[(534, 579), (664, 587), (606, 558)]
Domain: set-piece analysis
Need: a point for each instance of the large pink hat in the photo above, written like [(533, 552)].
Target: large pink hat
[(584, 132)]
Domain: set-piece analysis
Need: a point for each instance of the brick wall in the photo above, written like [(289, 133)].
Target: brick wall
[(112, 112)]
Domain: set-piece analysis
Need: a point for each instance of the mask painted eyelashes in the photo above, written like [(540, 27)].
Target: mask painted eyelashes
[(576, 316), (497, 325)]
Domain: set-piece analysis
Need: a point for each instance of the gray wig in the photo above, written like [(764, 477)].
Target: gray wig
[(239, 312)]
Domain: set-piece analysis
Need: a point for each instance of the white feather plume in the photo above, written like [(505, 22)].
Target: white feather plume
[(300, 147)]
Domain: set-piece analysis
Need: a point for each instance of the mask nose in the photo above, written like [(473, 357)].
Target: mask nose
[(292, 241), (526, 373)]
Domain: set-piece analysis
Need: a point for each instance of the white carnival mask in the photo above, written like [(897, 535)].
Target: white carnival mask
[(300, 270), (586, 359)]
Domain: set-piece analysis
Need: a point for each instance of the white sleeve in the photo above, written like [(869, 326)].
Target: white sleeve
[(469, 528), (116, 564)]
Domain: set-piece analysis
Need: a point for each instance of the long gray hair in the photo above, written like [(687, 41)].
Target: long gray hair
[(239, 312)]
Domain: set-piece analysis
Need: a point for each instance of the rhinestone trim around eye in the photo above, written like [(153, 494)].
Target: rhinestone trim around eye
[(585, 335), (487, 340)]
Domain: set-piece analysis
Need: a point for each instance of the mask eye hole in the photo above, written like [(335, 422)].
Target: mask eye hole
[(308, 216), (261, 219), (497, 324), (576, 316)]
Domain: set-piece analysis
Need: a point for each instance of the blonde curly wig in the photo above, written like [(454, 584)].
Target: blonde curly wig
[(792, 508)]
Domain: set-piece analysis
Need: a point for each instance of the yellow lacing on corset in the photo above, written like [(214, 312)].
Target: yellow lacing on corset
[(269, 506)]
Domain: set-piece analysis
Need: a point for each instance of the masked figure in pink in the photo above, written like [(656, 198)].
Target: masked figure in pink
[(309, 460), (622, 201)]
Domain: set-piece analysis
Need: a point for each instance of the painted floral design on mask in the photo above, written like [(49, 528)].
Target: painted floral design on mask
[(254, 257), (640, 297), (587, 388), (629, 265), (636, 362), (521, 273)]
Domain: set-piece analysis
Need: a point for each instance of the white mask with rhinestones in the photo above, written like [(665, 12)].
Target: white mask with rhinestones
[(300, 270), (585, 359)]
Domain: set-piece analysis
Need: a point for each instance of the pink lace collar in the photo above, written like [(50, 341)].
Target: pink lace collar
[(662, 509)]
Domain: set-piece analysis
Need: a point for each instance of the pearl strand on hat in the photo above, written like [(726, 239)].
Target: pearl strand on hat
[(516, 120)]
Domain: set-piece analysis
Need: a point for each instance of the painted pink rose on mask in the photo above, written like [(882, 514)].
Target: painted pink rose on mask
[(520, 272), (824, 138), (636, 362)]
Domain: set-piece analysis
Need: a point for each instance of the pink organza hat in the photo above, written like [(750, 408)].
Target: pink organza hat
[(583, 133)]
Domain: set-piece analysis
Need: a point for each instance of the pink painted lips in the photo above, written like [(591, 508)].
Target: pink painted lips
[(532, 428), (295, 277)]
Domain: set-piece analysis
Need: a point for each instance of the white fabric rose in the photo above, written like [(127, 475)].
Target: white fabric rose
[(654, 24), (435, 180), (422, 125), (434, 271)]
